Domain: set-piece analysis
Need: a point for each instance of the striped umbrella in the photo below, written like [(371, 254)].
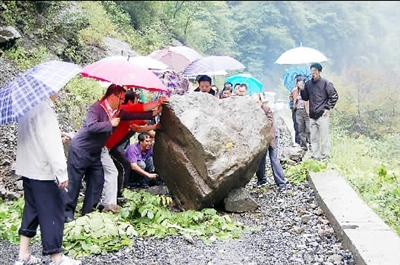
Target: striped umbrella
[(212, 64)]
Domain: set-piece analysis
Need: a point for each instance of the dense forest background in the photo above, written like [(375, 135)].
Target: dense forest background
[(363, 34)]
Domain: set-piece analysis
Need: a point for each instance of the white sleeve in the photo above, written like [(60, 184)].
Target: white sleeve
[(49, 137)]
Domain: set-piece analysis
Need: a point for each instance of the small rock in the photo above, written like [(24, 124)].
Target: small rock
[(318, 211), (305, 219), (297, 230)]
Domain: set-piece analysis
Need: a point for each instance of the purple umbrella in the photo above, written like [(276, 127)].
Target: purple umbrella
[(176, 58), (176, 83), (213, 64)]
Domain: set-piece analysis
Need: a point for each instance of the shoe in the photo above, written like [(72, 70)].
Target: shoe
[(261, 182), (157, 182), (66, 261), (69, 219), (114, 208), (282, 188), (144, 185), (31, 261)]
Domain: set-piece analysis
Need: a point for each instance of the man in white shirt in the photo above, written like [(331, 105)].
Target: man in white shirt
[(41, 163)]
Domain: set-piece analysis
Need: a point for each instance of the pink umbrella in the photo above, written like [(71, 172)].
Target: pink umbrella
[(123, 73), (177, 58)]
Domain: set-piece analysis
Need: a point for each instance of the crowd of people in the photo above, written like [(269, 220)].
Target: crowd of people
[(101, 154)]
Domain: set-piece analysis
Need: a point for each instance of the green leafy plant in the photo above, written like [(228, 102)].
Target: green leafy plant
[(10, 220), (151, 217), (26, 58), (298, 173), (97, 233)]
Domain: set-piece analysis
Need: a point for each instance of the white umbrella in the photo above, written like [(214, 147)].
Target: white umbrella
[(301, 55), (144, 61), (213, 64)]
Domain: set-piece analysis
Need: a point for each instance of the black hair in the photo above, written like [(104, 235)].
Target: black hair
[(299, 78), (142, 136), (228, 83), (113, 89), (130, 95), (244, 85), (204, 78), (317, 66)]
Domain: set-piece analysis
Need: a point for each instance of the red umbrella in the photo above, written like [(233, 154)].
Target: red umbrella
[(123, 73)]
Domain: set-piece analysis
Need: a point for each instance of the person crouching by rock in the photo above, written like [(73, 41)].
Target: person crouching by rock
[(140, 155)]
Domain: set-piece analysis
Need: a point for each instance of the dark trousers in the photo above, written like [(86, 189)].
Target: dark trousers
[(295, 127), (44, 206), (147, 166), (277, 170), (124, 167), (81, 163)]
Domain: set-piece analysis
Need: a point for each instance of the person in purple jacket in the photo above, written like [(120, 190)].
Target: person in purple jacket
[(140, 157), (84, 155)]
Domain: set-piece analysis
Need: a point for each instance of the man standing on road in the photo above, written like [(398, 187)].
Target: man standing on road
[(322, 97)]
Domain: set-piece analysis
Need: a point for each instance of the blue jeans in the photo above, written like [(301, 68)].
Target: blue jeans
[(277, 170)]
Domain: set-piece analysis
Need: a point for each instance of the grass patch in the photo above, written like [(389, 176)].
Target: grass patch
[(371, 167)]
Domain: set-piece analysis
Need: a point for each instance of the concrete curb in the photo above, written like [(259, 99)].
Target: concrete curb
[(371, 241)]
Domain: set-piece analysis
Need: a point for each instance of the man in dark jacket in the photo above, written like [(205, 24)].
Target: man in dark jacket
[(322, 97), (86, 148), (205, 85)]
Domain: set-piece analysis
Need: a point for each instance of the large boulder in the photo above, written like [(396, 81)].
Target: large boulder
[(208, 146)]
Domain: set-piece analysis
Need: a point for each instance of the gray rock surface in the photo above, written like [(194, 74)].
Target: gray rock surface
[(205, 151), (115, 47), (239, 201)]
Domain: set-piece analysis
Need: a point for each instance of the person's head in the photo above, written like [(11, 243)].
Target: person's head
[(257, 98), (215, 88), (145, 141), (299, 81), (316, 70), (242, 90), (115, 95), (204, 83), (226, 92), (236, 87), (130, 97), (228, 85)]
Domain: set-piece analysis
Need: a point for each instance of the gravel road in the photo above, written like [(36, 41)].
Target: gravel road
[(292, 230)]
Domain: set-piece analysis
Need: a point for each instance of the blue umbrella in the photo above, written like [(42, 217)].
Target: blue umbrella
[(254, 85), (33, 86), (291, 73)]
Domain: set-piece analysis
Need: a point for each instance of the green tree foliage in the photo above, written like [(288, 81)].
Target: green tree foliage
[(368, 103)]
